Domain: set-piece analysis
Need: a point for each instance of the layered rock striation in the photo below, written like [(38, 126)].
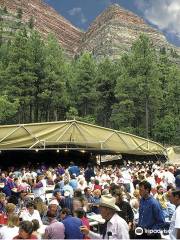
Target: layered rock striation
[(113, 32), (47, 20), (110, 35)]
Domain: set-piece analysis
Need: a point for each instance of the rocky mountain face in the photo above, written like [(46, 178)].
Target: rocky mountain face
[(113, 32), (110, 35), (47, 20)]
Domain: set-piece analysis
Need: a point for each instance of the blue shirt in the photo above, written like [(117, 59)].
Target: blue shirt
[(150, 214), (67, 202), (73, 183), (72, 227), (74, 170)]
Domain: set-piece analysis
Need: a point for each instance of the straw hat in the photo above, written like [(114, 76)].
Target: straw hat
[(109, 201)]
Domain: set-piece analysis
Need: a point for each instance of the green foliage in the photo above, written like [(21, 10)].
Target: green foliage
[(5, 9), (31, 23), (19, 13), (138, 90), (106, 77), (7, 109), (84, 84), (166, 130), (72, 113), (138, 94), (88, 119)]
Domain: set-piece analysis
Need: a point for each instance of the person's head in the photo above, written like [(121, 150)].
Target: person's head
[(36, 225), (40, 177), (97, 193), (175, 197), (37, 200), (66, 181), (53, 207), (92, 179), (87, 191), (80, 213), (3, 175), (96, 182), (171, 169), (81, 182), (13, 199), (144, 189), (25, 229), (2, 197), (13, 220), (57, 194), (148, 173), (23, 194), (108, 206), (51, 215), (78, 193), (135, 203), (30, 207), (118, 194), (106, 212), (65, 212), (105, 191), (73, 176), (10, 208), (160, 189), (136, 194), (71, 163)]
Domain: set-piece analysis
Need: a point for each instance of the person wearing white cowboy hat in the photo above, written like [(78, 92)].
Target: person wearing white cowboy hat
[(115, 227)]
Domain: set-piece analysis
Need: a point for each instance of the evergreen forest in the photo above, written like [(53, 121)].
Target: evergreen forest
[(139, 93)]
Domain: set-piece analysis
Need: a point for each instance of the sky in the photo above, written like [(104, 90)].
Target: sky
[(162, 14)]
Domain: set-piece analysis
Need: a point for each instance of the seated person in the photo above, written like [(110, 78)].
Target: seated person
[(30, 213)]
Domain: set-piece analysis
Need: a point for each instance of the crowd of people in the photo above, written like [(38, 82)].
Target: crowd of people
[(137, 200)]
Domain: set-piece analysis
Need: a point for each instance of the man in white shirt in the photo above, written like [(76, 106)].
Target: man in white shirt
[(174, 230), (115, 227)]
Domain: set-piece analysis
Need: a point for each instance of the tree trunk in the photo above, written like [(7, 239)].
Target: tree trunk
[(147, 118)]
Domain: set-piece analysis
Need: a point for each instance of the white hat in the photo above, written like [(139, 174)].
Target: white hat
[(54, 202), (66, 193), (2, 185), (109, 201)]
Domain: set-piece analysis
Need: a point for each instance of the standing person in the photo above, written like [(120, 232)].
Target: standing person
[(114, 227), (174, 230), (151, 216)]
